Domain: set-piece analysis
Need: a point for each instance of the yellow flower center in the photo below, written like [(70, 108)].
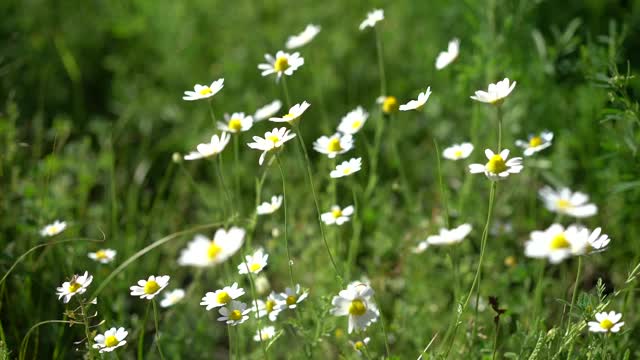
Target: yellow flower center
[(270, 305), (235, 315), (289, 117), (357, 308), (346, 170), (281, 64), (334, 145), (255, 267), (291, 299), (606, 324), (535, 141), (457, 153), (74, 286), (359, 345), (101, 255), (235, 125), (53, 229), (563, 204), (213, 251), (390, 104), (151, 287), (274, 139), (559, 242), (356, 124), (336, 213), (206, 91), (496, 164), (111, 341), (223, 297)]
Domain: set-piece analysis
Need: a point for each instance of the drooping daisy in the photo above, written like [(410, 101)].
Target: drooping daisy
[(566, 202), (606, 322), (446, 57), (266, 333), (389, 104), (536, 143), (334, 144), (267, 111), (555, 243), (103, 256), (360, 345), (372, 18), (595, 242), (303, 38), (448, 237), (203, 252), (204, 150), (269, 307), (235, 313), (236, 122), (272, 140), (253, 263), (54, 229), (353, 121), (270, 207), (347, 168), (458, 151), (337, 215), (221, 297), (148, 289), (290, 298), (282, 63), (204, 91), (172, 297), (294, 113), (110, 340), (77, 285), (498, 167), (356, 303), (417, 104), (496, 92)]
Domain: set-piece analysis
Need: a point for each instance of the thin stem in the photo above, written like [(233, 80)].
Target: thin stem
[(355, 239), (495, 340), (155, 321), (537, 297), (258, 319), (443, 194), (85, 322), (141, 335), (286, 236), (236, 167), (499, 116), (231, 355), (401, 170), (384, 330), (383, 79), (573, 301), (285, 89), (213, 116), (224, 187)]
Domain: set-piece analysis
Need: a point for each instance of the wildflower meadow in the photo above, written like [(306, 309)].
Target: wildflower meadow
[(319, 179)]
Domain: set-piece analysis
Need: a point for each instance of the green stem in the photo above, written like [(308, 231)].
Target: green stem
[(285, 89), (231, 355), (499, 116), (224, 187), (443, 193), (495, 341), (258, 319), (406, 190), (384, 330), (537, 297), (155, 321), (85, 322), (141, 334), (354, 244), (383, 79), (573, 301), (286, 236), (213, 116), (236, 168)]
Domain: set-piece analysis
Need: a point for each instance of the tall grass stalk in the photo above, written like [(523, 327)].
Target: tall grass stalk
[(286, 230)]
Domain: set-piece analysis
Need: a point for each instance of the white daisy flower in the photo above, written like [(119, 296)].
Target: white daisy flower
[(269, 307), (221, 297), (360, 345), (203, 252), (204, 91), (303, 38), (496, 92), (535, 143), (272, 140), (334, 144), (606, 322), (448, 237), (234, 314), (262, 284), (566, 202), (148, 289), (110, 340), (77, 285), (266, 333), (389, 104), (267, 111), (458, 151), (498, 167), (283, 63), (294, 113), (54, 229), (337, 215), (270, 207), (446, 57), (347, 168), (253, 263), (103, 256), (555, 243), (217, 144), (421, 247), (372, 18), (356, 302), (353, 121), (417, 104), (290, 298), (595, 242), (172, 297), (236, 122)]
